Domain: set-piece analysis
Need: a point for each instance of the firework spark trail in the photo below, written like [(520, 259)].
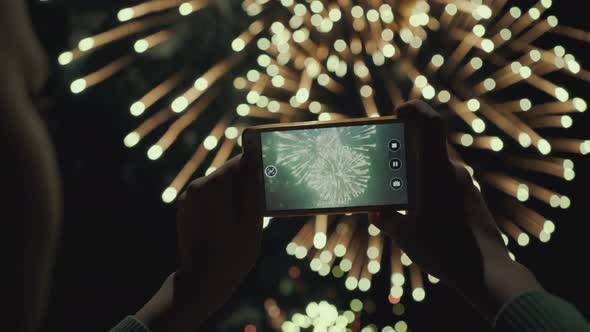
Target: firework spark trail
[(333, 162)]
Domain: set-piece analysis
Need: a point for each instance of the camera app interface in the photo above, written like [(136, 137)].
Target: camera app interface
[(334, 167)]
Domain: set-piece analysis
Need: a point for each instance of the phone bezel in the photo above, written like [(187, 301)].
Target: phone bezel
[(253, 144)]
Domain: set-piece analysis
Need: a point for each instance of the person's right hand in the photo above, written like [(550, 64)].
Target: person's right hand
[(450, 233)]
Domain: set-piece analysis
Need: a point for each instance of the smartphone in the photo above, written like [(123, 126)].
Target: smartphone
[(329, 167)]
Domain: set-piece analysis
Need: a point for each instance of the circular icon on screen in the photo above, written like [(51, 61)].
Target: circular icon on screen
[(396, 183), (394, 145), (395, 164), (270, 171)]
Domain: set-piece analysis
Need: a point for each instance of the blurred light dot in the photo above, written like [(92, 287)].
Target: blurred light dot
[(373, 267), (433, 279), (399, 309), (478, 125), (125, 14), (522, 192), (420, 81), (396, 291), (554, 201), (319, 240), (479, 30), (505, 34), (366, 91), (210, 142), (566, 121), (86, 44), (137, 108), (231, 132), (428, 92), (78, 85), (525, 72), (444, 96), (401, 326), (315, 264), (525, 104), (524, 139), (473, 105), (290, 248), (351, 283), (451, 9), (466, 140), (496, 144), (476, 63), (169, 194), (546, 3), (265, 220), (238, 44), (418, 294), (243, 109), (155, 152), (364, 284), (569, 174), (515, 67), (210, 170), (534, 13), (544, 236), (543, 146), (340, 45), (179, 104), (185, 9), (406, 259), (357, 11), (489, 84), (561, 94), (240, 83), (515, 12), (437, 60), (564, 202), (201, 84), (388, 50), (523, 239), (345, 264), (131, 139), (335, 14), (324, 117), (65, 58), (487, 45), (387, 34), (484, 11), (300, 252)]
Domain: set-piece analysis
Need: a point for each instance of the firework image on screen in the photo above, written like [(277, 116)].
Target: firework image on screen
[(334, 167)]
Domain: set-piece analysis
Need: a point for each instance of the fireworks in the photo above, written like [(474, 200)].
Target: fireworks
[(324, 316), (332, 162), (477, 62)]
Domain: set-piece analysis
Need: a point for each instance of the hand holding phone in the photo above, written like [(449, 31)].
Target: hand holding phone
[(345, 166)]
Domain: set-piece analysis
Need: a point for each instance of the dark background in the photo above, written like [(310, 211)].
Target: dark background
[(118, 241)]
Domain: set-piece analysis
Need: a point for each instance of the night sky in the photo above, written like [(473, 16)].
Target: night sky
[(118, 238)]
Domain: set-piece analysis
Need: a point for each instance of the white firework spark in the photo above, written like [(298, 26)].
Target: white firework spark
[(332, 162)]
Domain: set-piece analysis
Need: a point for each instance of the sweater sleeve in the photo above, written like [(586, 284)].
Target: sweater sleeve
[(540, 312), (130, 324)]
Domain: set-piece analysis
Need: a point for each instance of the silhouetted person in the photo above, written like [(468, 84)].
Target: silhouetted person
[(451, 233)]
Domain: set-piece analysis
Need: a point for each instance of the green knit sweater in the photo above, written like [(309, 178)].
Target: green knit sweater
[(529, 312)]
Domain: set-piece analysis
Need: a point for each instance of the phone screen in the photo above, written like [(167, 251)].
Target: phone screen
[(344, 166)]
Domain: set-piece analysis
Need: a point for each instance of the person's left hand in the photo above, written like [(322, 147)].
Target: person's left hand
[(219, 232)]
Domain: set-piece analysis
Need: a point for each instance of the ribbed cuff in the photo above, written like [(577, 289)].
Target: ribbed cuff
[(538, 311), (130, 324)]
